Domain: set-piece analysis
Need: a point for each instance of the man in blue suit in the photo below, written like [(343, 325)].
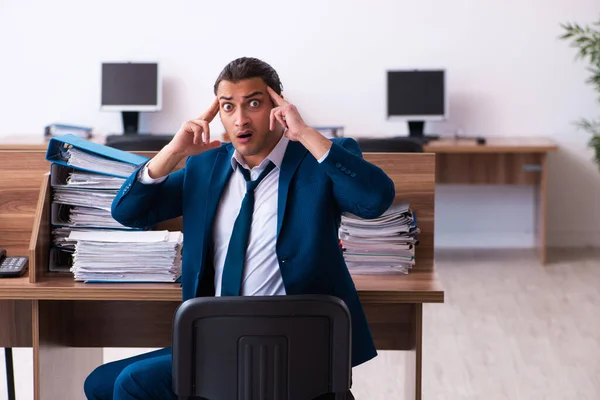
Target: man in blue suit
[(260, 214)]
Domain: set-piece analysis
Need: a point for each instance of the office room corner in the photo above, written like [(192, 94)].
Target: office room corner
[(317, 200)]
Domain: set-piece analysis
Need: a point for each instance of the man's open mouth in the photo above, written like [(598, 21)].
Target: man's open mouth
[(244, 135)]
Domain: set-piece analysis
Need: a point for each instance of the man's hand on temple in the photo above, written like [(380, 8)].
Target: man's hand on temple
[(296, 129), (192, 138)]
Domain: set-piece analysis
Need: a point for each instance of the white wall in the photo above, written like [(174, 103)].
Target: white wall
[(508, 75)]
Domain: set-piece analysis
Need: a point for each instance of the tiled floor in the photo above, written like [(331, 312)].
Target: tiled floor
[(509, 329)]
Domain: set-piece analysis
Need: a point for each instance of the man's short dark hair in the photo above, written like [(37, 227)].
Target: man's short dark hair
[(248, 67)]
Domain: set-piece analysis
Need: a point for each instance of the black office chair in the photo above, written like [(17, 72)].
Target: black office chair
[(391, 145), (129, 142), (293, 347)]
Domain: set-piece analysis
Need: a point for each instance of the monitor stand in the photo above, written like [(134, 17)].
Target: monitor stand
[(131, 126), (131, 121), (416, 131), (132, 139)]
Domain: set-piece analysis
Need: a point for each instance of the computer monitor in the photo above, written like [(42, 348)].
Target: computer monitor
[(131, 88), (417, 96)]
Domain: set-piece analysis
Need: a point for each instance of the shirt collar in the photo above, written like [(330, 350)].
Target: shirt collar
[(275, 156)]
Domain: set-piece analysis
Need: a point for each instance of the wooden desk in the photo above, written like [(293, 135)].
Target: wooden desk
[(68, 323), (501, 161)]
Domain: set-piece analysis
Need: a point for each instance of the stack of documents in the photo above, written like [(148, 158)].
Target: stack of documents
[(78, 158), (85, 180), (61, 239), (83, 199), (381, 245), (101, 199), (125, 256)]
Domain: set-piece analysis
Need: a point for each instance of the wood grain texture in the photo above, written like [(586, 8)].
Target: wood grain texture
[(416, 287), (22, 173), (122, 323), (489, 169), (39, 243), (414, 179), (392, 325), (493, 145), (107, 323), (15, 323), (59, 370)]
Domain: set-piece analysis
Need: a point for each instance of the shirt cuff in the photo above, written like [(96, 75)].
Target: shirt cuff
[(324, 156), (145, 178)]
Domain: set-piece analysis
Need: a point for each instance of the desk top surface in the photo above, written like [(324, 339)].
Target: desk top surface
[(416, 287), (493, 145)]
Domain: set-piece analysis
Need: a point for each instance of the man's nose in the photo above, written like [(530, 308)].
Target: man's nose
[(241, 118)]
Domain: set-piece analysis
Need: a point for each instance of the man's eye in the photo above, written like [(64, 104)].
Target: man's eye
[(227, 107), (254, 103)]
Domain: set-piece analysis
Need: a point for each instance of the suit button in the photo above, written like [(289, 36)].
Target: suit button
[(337, 165), (348, 172), (353, 174), (343, 168)]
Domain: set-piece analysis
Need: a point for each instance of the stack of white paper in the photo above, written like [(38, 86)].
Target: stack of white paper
[(93, 217), (380, 245), (61, 236), (80, 159), (79, 179), (124, 256), (101, 199)]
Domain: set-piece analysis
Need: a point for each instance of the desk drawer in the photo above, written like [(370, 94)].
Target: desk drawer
[(486, 169)]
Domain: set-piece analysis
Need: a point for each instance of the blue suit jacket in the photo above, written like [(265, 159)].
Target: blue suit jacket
[(311, 198)]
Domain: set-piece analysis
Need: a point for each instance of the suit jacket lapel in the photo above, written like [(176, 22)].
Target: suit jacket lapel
[(219, 176), (293, 155)]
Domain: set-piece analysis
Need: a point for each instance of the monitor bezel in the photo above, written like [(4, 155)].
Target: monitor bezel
[(133, 107), (418, 117)]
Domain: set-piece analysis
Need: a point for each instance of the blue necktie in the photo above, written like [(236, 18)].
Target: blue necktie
[(233, 269)]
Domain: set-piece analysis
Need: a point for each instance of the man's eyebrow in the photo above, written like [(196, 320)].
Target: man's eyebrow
[(253, 94), (257, 93)]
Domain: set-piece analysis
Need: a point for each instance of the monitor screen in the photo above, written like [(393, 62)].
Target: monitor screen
[(419, 94), (130, 87)]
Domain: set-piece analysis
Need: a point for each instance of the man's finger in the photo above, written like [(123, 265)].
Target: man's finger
[(277, 99), (205, 130), (279, 116), (272, 119), (212, 111), (197, 129)]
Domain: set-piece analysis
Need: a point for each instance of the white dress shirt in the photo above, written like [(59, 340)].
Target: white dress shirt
[(262, 276)]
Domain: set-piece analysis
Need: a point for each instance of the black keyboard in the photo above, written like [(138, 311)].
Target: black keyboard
[(139, 142)]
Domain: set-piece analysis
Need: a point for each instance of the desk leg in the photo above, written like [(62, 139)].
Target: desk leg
[(541, 210), (414, 359), (58, 370)]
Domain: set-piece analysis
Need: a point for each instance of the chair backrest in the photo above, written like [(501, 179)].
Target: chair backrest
[(390, 145), (294, 347)]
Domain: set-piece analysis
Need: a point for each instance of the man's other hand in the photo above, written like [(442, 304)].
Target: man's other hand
[(287, 115)]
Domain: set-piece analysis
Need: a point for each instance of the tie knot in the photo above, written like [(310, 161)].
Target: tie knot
[(251, 185)]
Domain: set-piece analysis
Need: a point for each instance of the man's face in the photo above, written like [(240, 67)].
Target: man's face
[(245, 109)]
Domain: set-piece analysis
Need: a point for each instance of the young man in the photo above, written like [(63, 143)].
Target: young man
[(283, 235)]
